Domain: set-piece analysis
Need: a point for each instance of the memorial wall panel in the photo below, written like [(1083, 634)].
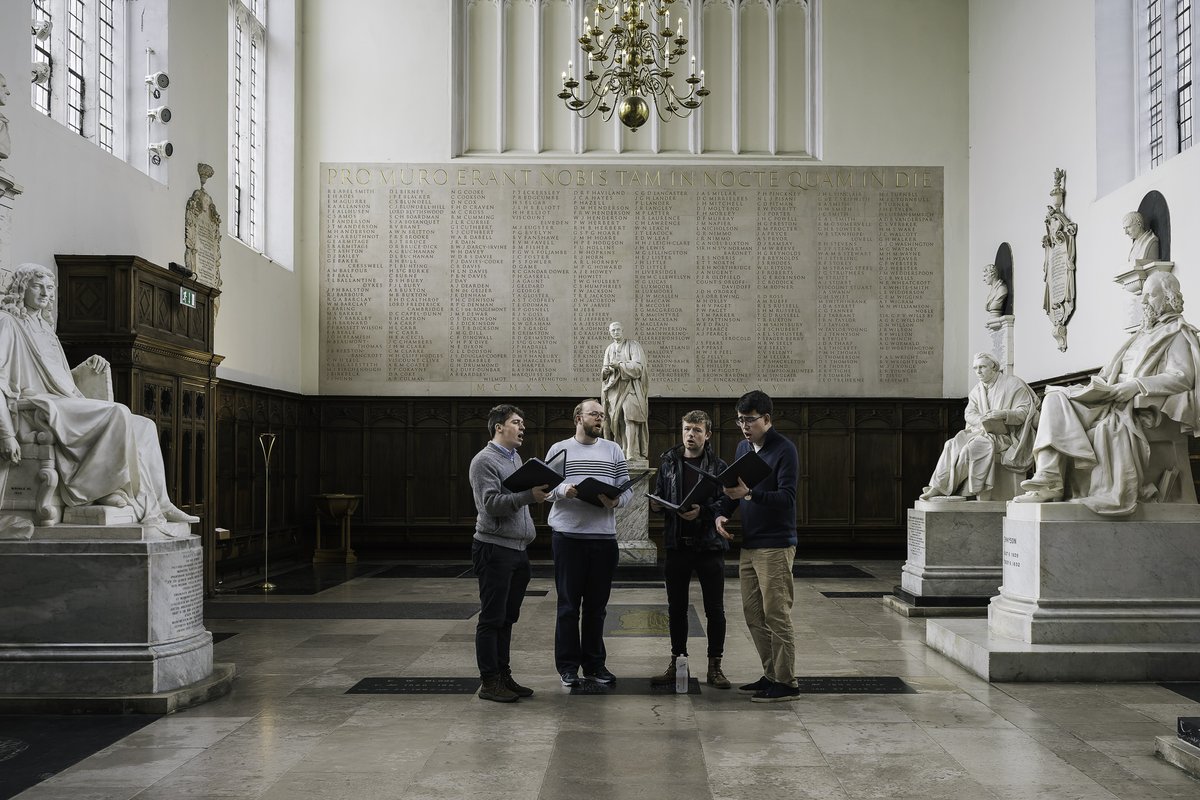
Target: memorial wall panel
[(483, 280)]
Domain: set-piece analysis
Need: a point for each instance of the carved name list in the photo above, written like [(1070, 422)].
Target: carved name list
[(439, 279)]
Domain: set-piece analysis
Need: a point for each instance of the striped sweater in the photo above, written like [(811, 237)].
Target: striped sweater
[(602, 460)]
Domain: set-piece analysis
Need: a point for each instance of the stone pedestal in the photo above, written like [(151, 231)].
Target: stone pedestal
[(1002, 341), (1086, 597), (953, 566), (101, 617), (633, 527)]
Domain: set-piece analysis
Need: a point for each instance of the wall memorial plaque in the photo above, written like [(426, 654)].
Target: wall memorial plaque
[(202, 234), (478, 280)]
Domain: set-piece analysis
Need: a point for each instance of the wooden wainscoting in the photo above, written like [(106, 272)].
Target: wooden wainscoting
[(863, 462)]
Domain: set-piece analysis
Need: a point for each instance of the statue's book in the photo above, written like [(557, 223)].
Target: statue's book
[(536, 472), (589, 489), (750, 468), (996, 426)]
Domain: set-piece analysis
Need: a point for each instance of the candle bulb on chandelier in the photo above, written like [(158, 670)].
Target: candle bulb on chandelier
[(701, 79), (693, 66), (679, 29), (571, 69), (586, 26)]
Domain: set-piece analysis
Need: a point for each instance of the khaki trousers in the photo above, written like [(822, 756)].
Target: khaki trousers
[(768, 592)]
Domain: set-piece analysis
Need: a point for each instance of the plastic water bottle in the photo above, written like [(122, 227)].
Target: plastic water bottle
[(681, 675)]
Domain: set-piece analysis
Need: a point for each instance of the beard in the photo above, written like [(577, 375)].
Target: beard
[(1151, 315)]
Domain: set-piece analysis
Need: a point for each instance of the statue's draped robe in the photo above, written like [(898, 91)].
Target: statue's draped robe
[(625, 390), (101, 448), (967, 460), (1109, 438)]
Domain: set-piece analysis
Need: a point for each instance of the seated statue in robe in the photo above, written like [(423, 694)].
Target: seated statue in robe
[(104, 453), (1102, 427), (1001, 413)]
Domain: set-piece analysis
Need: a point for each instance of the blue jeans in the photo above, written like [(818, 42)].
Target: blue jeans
[(503, 575), (583, 573)]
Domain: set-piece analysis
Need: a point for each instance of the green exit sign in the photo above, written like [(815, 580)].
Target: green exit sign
[(187, 297)]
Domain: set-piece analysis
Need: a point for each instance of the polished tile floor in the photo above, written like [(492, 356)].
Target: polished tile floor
[(289, 730)]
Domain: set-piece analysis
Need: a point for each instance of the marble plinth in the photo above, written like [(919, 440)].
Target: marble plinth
[(633, 528), (1179, 753), (1086, 597), (1074, 577), (102, 617), (968, 643), (953, 549)]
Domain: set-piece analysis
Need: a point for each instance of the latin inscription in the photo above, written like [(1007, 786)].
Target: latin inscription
[(485, 280), (916, 537), (185, 588)]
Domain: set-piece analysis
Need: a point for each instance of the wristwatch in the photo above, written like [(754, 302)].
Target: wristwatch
[(749, 494)]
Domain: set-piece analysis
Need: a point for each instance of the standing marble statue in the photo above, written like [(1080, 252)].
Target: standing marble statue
[(1001, 415), (5, 137), (997, 291), (104, 453), (1101, 428), (1145, 242), (625, 384)]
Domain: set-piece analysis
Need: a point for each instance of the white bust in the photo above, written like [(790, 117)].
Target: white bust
[(1145, 242), (997, 291)]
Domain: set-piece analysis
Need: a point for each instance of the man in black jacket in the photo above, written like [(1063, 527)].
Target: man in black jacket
[(768, 547), (693, 544)]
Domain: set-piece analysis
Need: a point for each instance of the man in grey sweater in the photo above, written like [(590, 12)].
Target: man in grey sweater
[(503, 529)]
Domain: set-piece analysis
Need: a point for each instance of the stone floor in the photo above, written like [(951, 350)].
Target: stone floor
[(289, 730)]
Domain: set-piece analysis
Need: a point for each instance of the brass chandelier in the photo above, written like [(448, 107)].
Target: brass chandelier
[(635, 58)]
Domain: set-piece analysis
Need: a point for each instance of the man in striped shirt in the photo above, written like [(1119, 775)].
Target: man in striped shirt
[(585, 546)]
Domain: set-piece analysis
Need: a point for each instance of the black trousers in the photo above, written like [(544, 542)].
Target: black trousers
[(503, 575), (583, 574), (709, 567)]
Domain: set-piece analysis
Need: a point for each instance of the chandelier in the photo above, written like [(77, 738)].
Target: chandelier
[(635, 59)]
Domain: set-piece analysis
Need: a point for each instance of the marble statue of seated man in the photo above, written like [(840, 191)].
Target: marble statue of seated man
[(1102, 427), (1001, 414), (104, 453)]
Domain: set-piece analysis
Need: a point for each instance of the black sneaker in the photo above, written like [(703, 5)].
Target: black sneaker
[(759, 685), (777, 693), (599, 675), (569, 677)]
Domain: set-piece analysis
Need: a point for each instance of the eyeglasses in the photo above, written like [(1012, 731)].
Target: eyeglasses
[(745, 422), (594, 414)]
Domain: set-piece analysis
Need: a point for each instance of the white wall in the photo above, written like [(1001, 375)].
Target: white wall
[(377, 88), (1033, 90), (79, 199)]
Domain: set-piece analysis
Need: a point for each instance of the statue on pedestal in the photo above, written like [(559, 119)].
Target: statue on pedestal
[(995, 450), (1145, 242), (997, 291), (104, 453), (1110, 429), (625, 385)]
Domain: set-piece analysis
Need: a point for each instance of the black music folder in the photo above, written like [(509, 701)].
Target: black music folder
[(590, 489), (536, 472), (750, 468), (703, 490)]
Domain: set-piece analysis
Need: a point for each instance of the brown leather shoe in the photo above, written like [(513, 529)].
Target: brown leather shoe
[(716, 678), (668, 677)]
